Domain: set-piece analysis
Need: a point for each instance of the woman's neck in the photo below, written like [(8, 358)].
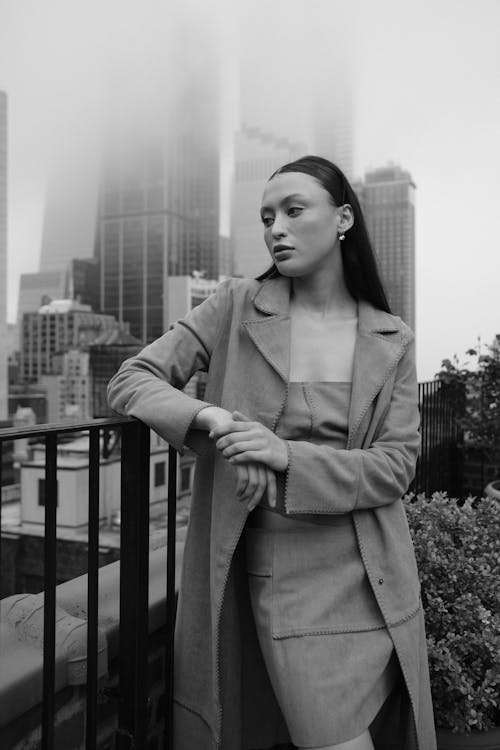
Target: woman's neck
[(324, 295)]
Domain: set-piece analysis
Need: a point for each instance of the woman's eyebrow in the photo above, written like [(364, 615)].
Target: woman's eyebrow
[(292, 196)]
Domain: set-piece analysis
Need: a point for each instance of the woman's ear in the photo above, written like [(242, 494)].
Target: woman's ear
[(346, 217)]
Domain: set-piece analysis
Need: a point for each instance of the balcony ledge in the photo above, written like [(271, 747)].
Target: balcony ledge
[(21, 631)]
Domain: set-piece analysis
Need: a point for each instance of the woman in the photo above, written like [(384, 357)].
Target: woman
[(299, 613)]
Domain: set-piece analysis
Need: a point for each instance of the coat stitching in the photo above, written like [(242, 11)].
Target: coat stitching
[(266, 355), (308, 397), (279, 635), (372, 396)]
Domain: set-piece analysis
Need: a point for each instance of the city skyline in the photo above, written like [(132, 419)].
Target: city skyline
[(447, 142)]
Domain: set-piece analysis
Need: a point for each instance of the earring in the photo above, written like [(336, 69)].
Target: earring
[(341, 236)]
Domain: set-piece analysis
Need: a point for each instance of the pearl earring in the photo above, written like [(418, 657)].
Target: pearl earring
[(341, 236)]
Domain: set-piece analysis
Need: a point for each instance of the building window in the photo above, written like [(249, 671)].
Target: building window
[(160, 474), (185, 478), (41, 493)]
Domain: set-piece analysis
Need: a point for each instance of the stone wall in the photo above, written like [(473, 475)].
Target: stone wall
[(21, 650), (69, 734), (22, 562)]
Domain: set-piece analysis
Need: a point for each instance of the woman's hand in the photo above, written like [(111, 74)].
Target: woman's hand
[(242, 441), (253, 480), (210, 417)]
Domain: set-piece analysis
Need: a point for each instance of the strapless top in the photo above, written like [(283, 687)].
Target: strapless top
[(316, 411)]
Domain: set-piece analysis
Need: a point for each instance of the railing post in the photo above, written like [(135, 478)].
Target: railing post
[(134, 573), (171, 597), (49, 599), (92, 589)]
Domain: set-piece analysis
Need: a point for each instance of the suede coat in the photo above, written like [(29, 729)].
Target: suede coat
[(241, 337)]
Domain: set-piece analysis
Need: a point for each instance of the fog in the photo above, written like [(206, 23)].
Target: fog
[(421, 80)]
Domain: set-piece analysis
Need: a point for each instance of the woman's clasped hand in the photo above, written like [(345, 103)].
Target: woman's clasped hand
[(255, 452)]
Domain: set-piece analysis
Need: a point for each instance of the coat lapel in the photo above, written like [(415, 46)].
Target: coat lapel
[(270, 328), (379, 346), (380, 343)]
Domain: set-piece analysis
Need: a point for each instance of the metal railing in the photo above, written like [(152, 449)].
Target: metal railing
[(440, 464), (134, 573)]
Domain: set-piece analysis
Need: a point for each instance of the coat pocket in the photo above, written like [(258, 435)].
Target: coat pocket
[(319, 584)]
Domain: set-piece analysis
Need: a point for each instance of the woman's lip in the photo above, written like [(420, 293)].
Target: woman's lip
[(282, 253)]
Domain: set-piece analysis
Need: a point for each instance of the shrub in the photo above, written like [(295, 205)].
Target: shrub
[(475, 393), (457, 547)]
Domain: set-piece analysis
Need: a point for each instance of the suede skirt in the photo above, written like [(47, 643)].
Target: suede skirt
[(327, 651)]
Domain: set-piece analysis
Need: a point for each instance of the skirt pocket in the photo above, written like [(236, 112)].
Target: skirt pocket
[(319, 584)]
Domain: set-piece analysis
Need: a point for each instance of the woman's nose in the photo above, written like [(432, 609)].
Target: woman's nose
[(279, 229)]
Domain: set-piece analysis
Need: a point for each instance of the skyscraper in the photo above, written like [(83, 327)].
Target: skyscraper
[(70, 210), (159, 203), (144, 235), (3, 254), (333, 128), (69, 220), (257, 154), (387, 196)]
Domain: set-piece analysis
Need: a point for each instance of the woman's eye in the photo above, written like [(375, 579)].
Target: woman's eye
[(267, 221), (294, 210)]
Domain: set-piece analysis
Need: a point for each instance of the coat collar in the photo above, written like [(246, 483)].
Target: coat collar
[(273, 297), (380, 343)]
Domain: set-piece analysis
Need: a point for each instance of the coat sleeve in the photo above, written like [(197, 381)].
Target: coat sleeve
[(320, 479), (148, 386)]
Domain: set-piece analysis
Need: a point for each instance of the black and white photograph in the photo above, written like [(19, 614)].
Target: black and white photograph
[(249, 375)]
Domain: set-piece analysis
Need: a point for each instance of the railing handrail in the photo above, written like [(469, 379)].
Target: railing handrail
[(41, 430)]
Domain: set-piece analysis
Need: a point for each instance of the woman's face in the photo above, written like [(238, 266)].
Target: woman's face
[(300, 223)]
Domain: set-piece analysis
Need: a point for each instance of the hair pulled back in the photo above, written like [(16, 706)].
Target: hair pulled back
[(361, 272)]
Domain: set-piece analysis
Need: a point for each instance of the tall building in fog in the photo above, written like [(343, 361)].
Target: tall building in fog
[(332, 128), (387, 196), (3, 254), (159, 202), (70, 207), (257, 155)]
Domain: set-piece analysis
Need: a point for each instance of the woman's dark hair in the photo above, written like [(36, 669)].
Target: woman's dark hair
[(361, 272)]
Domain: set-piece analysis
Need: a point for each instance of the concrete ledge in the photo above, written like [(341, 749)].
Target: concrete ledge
[(21, 631)]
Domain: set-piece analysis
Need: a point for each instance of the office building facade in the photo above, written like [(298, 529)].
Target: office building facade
[(387, 196), (68, 388), (159, 197), (157, 219), (57, 327), (106, 354)]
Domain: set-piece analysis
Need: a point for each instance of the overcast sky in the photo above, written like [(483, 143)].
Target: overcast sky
[(424, 78)]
